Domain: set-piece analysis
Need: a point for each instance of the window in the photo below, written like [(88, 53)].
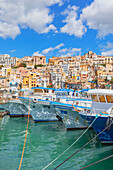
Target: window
[(109, 98), (94, 98), (102, 98)]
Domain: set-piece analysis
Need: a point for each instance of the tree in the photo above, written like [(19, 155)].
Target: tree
[(39, 65), (1, 66), (14, 67), (24, 64)]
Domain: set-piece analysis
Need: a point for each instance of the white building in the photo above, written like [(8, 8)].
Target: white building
[(6, 60)]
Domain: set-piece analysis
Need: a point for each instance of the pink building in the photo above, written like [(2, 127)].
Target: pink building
[(21, 72)]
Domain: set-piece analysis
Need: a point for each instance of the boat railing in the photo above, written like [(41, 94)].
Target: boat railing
[(94, 111)]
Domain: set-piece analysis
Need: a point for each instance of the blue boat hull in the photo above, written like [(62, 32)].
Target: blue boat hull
[(106, 137)]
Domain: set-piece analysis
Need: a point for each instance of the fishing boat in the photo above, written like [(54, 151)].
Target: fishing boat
[(39, 102), (10, 101), (16, 108), (102, 107), (4, 116), (65, 108), (40, 99)]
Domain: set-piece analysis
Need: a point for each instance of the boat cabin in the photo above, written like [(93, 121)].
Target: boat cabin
[(101, 95), (43, 90), (63, 92)]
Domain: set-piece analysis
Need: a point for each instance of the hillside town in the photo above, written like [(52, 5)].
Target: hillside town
[(74, 72)]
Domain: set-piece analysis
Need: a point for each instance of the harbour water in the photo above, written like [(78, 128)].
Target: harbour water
[(45, 141)]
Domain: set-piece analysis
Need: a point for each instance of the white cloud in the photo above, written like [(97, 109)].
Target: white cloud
[(46, 51), (108, 45), (98, 16), (107, 50), (12, 51), (18, 14), (73, 25), (66, 52), (107, 53), (8, 30), (59, 46), (47, 29), (76, 50), (37, 53)]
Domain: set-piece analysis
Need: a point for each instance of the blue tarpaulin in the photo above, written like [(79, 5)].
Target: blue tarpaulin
[(42, 88)]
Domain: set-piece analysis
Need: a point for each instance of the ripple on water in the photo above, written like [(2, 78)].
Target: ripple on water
[(45, 141)]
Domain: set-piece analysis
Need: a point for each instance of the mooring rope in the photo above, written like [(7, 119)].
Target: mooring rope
[(25, 137), (75, 108), (84, 145), (97, 162), (71, 144)]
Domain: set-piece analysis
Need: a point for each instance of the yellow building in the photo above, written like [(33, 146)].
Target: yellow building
[(25, 83), (8, 73), (32, 80)]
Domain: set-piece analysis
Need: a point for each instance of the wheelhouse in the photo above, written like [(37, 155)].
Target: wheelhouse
[(101, 95)]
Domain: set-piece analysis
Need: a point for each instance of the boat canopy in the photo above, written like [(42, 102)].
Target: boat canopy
[(84, 90), (64, 90), (100, 92), (42, 88), (25, 90)]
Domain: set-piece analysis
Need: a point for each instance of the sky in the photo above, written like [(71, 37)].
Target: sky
[(56, 27)]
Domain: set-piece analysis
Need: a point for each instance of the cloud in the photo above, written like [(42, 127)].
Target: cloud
[(8, 30), (59, 46), (37, 53), (73, 25), (46, 51), (108, 45), (107, 53), (98, 16), (66, 52), (12, 51), (107, 50), (20, 14)]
